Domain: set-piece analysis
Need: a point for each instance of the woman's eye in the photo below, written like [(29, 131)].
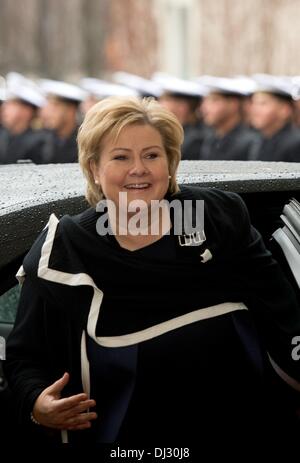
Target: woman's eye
[(151, 155), (120, 157)]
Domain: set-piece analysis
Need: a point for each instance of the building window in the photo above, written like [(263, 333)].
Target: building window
[(177, 27)]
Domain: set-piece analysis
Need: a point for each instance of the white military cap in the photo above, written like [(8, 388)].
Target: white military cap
[(277, 85), (102, 89), (62, 90), (224, 85), (24, 89), (245, 83), (15, 78), (177, 86), (144, 87), (296, 87)]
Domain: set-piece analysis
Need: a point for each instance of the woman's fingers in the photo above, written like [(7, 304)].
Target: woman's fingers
[(81, 418), (68, 403), (77, 421), (63, 413), (83, 406)]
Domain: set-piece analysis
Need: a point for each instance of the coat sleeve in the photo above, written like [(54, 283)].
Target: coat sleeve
[(26, 359), (269, 295)]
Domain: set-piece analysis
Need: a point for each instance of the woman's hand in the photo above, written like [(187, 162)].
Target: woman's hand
[(66, 413)]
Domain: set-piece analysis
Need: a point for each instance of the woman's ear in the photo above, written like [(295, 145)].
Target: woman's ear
[(94, 170)]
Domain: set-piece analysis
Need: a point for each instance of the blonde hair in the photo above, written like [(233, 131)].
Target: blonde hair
[(110, 116)]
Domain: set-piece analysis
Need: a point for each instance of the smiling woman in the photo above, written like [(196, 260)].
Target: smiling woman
[(136, 165), (151, 338), (107, 120), (133, 154)]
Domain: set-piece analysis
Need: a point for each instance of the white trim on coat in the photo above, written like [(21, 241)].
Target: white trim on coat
[(70, 279), (128, 339)]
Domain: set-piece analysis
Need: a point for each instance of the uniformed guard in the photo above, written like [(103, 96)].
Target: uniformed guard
[(222, 110), (271, 114), (60, 119), (183, 98), (18, 140), (296, 97)]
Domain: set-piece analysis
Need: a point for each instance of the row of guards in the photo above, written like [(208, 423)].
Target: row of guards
[(238, 118)]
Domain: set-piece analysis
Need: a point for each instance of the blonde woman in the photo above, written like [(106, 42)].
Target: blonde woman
[(157, 315)]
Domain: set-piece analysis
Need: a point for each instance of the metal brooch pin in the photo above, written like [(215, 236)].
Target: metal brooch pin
[(206, 256)]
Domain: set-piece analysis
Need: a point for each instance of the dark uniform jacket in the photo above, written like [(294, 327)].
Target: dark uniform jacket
[(193, 139), (59, 150), (235, 145), (283, 146), (174, 356), (27, 145)]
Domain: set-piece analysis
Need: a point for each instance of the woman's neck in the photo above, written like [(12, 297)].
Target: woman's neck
[(142, 228)]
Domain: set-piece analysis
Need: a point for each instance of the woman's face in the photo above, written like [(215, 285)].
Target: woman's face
[(135, 163)]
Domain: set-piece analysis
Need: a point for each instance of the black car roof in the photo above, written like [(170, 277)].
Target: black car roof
[(30, 193), (27, 185)]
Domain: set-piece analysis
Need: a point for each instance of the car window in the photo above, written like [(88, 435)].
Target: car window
[(8, 305)]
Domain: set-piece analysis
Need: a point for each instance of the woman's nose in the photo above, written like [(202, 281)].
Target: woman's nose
[(138, 167)]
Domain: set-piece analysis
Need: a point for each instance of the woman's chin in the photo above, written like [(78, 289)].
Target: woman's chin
[(144, 194)]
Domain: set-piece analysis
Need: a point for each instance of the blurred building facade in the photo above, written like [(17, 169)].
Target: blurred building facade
[(226, 37), (71, 38)]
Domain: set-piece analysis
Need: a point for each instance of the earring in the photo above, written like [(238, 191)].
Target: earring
[(96, 182), (170, 176)]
